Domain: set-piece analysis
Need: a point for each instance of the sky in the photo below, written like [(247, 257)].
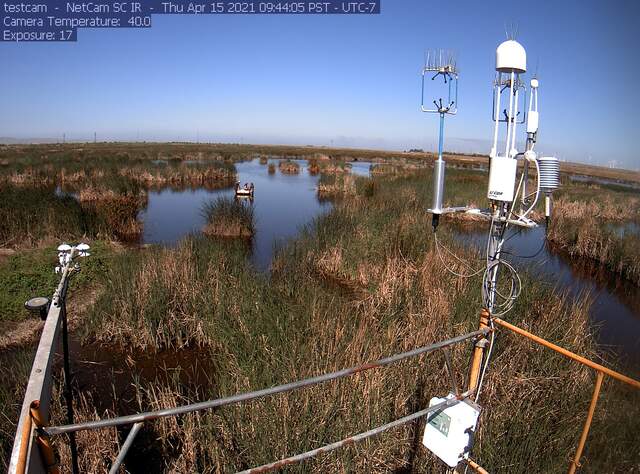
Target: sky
[(333, 80)]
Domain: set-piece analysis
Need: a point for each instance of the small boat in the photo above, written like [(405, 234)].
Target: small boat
[(244, 191)]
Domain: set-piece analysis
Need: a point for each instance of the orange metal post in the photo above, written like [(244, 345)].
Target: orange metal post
[(575, 464), (569, 354), (476, 467), (478, 352), (46, 449), (24, 446)]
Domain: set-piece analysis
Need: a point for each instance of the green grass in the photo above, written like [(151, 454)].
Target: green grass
[(31, 273)]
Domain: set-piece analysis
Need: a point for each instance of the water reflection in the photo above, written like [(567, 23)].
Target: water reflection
[(282, 204)]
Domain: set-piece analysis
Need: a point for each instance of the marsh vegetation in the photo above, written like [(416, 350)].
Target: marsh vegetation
[(171, 325), (226, 217), (585, 223)]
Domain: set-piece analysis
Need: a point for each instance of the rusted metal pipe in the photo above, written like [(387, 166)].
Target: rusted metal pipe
[(478, 352), (476, 467), (575, 464), (125, 448), (600, 368), (243, 397), (354, 439), (43, 441), (21, 465)]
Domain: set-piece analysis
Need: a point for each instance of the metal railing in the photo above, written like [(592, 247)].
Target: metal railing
[(31, 452), (601, 371)]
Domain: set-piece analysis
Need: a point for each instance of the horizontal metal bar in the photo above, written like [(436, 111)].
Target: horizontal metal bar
[(125, 448), (243, 397), (584, 361), (354, 439)]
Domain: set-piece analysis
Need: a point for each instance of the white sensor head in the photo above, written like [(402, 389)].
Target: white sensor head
[(534, 83), (511, 57)]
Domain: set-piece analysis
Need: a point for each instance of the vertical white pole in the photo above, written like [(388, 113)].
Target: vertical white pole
[(515, 124), (494, 148), (509, 115)]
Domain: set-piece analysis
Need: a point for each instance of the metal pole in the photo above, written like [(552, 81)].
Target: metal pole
[(21, 466), (43, 441), (353, 439), (441, 139), (476, 467), (147, 416), (125, 448), (478, 352), (68, 394), (587, 424)]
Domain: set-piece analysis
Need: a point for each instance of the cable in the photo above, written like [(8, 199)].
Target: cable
[(508, 301), (538, 252), (486, 363), (453, 272), (535, 201)]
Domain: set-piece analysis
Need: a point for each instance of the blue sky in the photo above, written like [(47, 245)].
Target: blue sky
[(346, 80)]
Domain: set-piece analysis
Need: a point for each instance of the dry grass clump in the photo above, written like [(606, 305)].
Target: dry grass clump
[(119, 210), (228, 217), (313, 166), (388, 169), (334, 185), (264, 160), (288, 167), (272, 168), (585, 227), (334, 167), (604, 207), (183, 175), (97, 448), (170, 298), (338, 186)]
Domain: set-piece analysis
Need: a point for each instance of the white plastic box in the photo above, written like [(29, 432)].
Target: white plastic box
[(449, 433), (502, 178)]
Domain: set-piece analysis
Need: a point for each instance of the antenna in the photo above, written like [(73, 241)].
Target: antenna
[(441, 67)]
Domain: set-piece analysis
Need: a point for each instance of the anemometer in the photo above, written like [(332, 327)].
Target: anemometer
[(449, 432)]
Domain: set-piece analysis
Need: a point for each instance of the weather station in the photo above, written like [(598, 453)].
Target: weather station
[(449, 432)]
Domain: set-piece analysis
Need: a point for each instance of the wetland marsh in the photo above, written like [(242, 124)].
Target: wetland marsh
[(166, 315)]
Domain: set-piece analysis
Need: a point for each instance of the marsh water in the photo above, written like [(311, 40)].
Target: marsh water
[(282, 204), (615, 308)]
